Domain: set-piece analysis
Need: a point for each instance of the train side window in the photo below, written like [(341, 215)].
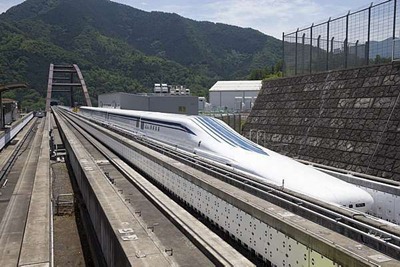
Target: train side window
[(359, 205), (351, 206)]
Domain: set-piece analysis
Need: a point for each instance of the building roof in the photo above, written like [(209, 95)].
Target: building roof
[(145, 95), (236, 86)]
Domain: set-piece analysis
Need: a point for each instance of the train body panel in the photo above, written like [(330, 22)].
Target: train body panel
[(213, 139)]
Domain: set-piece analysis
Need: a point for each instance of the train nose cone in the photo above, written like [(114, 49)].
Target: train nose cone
[(356, 198)]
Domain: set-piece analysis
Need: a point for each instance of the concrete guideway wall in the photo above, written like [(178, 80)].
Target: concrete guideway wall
[(112, 220), (347, 119), (386, 196), (272, 233)]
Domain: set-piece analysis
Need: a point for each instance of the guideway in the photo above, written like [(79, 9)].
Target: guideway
[(278, 236), (25, 234), (131, 234)]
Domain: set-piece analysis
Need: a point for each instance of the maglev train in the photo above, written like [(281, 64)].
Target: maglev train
[(213, 139)]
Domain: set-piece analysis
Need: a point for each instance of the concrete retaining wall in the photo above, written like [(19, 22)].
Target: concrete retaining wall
[(348, 119)]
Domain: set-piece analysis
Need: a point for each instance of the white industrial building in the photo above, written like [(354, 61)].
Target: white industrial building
[(234, 95)]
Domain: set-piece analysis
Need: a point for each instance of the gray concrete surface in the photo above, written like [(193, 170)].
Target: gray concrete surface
[(109, 214), (37, 239), (12, 226)]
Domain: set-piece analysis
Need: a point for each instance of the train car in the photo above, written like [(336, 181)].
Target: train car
[(39, 114), (213, 139)]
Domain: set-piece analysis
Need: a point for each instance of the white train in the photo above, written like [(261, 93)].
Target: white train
[(213, 139)]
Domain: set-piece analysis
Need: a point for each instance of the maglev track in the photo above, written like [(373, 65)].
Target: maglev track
[(375, 233)]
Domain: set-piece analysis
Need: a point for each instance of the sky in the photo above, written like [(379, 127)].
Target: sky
[(271, 17)]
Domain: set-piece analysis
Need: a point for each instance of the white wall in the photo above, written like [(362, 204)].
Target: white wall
[(222, 99)]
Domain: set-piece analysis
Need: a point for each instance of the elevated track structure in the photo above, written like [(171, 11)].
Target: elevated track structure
[(278, 226), (125, 238)]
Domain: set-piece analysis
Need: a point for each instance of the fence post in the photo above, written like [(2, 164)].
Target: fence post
[(394, 18), (295, 54), (332, 40), (303, 58), (311, 46), (319, 53), (356, 54), (368, 36), (346, 41), (327, 43), (283, 54)]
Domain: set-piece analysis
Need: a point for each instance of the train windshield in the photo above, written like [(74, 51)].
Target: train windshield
[(226, 134)]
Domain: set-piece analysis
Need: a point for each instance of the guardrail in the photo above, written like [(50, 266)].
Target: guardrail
[(9, 134)]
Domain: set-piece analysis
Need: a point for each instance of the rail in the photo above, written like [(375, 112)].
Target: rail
[(14, 156), (206, 240)]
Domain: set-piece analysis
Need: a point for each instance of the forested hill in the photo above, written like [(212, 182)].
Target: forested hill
[(122, 48)]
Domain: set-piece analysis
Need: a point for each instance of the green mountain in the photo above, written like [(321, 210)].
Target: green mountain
[(120, 48)]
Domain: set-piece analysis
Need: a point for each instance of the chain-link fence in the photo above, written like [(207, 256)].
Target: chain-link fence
[(367, 36)]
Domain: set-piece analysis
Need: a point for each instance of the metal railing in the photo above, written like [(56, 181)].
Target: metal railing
[(359, 38)]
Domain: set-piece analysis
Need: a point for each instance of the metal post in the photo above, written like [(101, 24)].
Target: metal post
[(356, 53), (295, 53), (368, 36), (303, 39), (394, 18), (283, 54), (333, 38), (327, 44), (318, 50), (346, 41), (311, 46), (394, 27)]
